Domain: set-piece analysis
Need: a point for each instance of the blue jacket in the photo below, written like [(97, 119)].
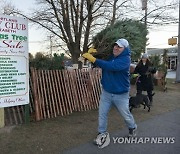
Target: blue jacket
[(115, 73)]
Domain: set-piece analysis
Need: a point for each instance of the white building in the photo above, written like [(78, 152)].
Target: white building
[(172, 55)]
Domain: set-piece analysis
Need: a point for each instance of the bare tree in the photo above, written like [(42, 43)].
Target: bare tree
[(6, 7), (69, 21), (117, 10), (160, 12), (154, 13), (74, 22)]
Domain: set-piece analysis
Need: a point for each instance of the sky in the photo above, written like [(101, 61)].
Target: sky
[(37, 37), (158, 36)]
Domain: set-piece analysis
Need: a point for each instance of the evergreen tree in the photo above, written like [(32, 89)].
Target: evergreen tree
[(46, 62), (134, 31)]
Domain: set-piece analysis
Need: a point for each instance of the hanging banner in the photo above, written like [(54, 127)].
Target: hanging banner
[(14, 61)]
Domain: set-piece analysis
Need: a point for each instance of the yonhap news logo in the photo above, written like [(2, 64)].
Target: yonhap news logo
[(143, 140)]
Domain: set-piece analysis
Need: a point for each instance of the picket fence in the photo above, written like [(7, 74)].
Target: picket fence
[(58, 93)]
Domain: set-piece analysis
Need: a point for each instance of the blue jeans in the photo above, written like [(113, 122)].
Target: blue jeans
[(121, 102)]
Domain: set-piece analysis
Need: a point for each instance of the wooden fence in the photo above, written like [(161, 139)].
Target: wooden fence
[(16, 114), (57, 93), (62, 92)]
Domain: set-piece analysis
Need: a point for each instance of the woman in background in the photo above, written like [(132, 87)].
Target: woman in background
[(145, 82)]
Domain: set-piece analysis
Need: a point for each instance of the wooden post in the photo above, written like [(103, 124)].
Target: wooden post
[(27, 118), (35, 84), (1, 117)]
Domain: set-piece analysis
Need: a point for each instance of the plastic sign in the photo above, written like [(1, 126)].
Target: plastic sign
[(14, 65), (172, 41)]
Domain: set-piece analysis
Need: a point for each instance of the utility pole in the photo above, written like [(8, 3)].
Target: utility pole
[(144, 7), (50, 37), (178, 56)]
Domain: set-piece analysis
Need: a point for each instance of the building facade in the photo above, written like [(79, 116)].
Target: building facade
[(171, 54)]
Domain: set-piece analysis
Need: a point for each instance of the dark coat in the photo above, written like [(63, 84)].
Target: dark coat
[(144, 81)]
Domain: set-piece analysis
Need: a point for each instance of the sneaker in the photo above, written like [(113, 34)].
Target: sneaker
[(132, 132), (102, 140)]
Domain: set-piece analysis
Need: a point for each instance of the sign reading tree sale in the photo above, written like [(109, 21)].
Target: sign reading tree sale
[(14, 65)]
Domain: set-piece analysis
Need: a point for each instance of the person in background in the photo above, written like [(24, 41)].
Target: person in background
[(144, 82), (115, 89)]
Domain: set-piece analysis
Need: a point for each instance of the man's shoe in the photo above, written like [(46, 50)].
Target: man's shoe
[(132, 132), (102, 140)]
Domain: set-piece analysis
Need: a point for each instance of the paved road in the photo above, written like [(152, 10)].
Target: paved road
[(159, 129)]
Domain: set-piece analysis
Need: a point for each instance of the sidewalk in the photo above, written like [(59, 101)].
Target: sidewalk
[(171, 74), (162, 126)]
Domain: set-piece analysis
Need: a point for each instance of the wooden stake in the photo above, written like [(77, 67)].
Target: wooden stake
[(1, 117), (27, 116)]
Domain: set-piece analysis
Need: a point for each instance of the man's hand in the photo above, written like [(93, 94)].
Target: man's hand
[(81, 59), (92, 50), (89, 57)]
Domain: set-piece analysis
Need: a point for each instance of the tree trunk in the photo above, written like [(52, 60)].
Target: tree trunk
[(75, 56)]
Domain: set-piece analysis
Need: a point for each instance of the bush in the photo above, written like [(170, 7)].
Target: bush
[(46, 62)]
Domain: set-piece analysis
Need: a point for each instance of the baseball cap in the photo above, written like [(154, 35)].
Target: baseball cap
[(144, 55), (122, 43)]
